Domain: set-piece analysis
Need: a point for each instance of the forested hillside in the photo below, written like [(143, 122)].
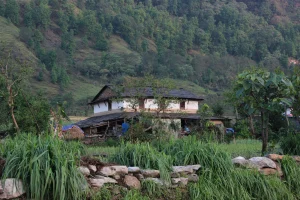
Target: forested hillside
[(77, 45)]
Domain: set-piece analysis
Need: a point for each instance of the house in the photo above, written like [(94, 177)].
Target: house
[(113, 105)]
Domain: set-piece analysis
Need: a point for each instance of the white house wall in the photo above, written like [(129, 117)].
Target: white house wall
[(150, 104), (100, 107), (117, 105), (191, 105)]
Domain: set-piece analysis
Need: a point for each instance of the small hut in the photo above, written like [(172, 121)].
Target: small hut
[(71, 132)]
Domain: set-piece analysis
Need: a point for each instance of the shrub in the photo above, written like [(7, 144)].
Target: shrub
[(290, 144), (144, 156), (46, 165)]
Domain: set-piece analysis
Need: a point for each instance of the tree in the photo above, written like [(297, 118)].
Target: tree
[(261, 91), (12, 9), (12, 76)]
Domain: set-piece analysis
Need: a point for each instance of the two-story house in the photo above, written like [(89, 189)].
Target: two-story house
[(112, 105)]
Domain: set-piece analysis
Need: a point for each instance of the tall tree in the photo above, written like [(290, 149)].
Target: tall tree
[(261, 91), (12, 9)]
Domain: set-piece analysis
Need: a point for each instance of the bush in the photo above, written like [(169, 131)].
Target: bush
[(290, 144), (144, 156), (46, 165)]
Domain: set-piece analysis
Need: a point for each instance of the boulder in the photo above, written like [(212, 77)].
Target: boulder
[(275, 157), (12, 188), (92, 168), (189, 169), (193, 178), (180, 181), (242, 162), (132, 182), (84, 170), (113, 170), (278, 168), (117, 176), (99, 181), (1, 189), (263, 162), (175, 175), (140, 177), (150, 173), (268, 171), (133, 170), (296, 158)]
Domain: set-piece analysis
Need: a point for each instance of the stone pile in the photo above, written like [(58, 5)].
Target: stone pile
[(268, 165), (131, 177)]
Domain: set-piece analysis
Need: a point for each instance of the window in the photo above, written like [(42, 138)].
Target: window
[(182, 105), (141, 103), (109, 106)]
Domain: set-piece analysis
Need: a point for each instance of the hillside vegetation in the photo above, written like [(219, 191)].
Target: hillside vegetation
[(77, 46)]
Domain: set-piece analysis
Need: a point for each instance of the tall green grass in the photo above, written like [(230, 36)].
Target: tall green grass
[(46, 165), (144, 156), (291, 172)]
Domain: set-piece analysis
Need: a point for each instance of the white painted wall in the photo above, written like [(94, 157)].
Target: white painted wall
[(191, 105), (100, 107), (174, 106), (150, 104), (117, 105)]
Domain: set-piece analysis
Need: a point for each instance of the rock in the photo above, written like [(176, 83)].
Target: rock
[(189, 169), (92, 168), (242, 162), (268, 171), (275, 157), (180, 181), (278, 168), (175, 175), (134, 170), (193, 178), (99, 181), (150, 173), (155, 180), (12, 188), (84, 170), (132, 182), (296, 158), (117, 176), (263, 162), (140, 177), (113, 170)]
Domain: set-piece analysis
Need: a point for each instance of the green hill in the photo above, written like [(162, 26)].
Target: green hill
[(75, 47)]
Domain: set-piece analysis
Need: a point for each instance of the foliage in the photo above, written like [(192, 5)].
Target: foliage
[(135, 194), (291, 171), (290, 143), (46, 165), (144, 156), (258, 90), (241, 129), (152, 188)]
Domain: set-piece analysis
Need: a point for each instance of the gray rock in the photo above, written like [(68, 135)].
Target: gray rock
[(189, 169), (12, 188), (92, 168), (117, 176), (193, 178), (113, 170), (1, 189), (155, 180), (99, 181), (242, 162), (180, 181), (263, 162), (134, 170), (175, 175), (140, 177), (132, 182), (84, 170), (150, 173)]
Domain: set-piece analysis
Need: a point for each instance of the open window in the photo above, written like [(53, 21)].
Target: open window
[(141, 103), (182, 105)]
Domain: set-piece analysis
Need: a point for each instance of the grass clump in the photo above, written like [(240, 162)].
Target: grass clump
[(46, 165), (144, 156), (291, 172), (152, 188), (135, 195), (290, 144)]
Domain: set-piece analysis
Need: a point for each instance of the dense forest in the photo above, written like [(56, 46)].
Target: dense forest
[(204, 41)]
